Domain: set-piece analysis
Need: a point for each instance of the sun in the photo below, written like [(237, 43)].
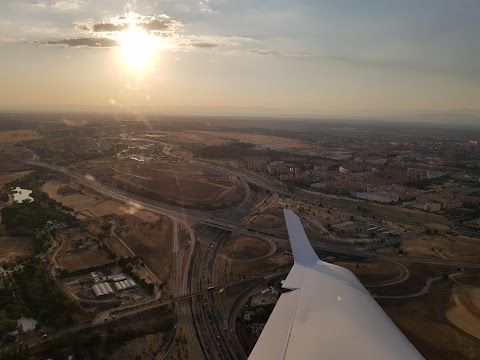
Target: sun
[(138, 48)]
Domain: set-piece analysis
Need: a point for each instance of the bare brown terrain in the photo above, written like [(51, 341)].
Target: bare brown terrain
[(77, 199), (424, 322), (177, 183), (11, 137), (449, 247), (91, 204), (5, 178), (218, 138), (153, 242), (14, 249), (74, 252), (465, 310), (370, 272), (266, 221), (246, 248), (146, 347)]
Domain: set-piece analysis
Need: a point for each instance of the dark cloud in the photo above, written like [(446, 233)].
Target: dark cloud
[(160, 25), (107, 27), (85, 42), (156, 24)]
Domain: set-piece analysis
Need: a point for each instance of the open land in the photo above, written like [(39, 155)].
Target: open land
[(90, 204), (153, 242), (465, 311), (77, 251), (460, 248), (424, 322), (245, 248), (176, 183), (12, 137), (218, 138), (5, 178), (13, 249), (371, 272)]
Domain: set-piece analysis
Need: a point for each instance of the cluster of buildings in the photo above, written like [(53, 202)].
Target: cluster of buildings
[(102, 289), (102, 285), (361, 229), (266, 297), (392, 178)]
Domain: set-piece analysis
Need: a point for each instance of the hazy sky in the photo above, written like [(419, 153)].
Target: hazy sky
[(316, 57)]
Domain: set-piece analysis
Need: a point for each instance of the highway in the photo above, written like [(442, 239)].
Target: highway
[(140, 202), (199, 311), (208, 318)]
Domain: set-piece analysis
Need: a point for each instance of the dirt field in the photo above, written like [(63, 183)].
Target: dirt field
[(458, 248), (12, 157), (423, 321), (11, 137), (218, 138), (117, 247), (13, 249), (266, 221), (71, 256), (151, 241), (461, 316), (5, 178), (246, 248), (146, 347), (176, 183), (438, 227), (77, 201), (94, 205), (371, 272)]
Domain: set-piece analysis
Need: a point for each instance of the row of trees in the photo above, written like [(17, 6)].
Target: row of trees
[(27, 218)]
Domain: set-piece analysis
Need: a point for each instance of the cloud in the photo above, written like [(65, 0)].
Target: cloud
[(113, 25), (203, 45), (84, 42), (212, 41), (274, 53), (106, 32), (205, 7), (60, 5)]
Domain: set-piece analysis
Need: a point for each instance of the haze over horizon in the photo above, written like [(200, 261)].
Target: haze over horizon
[(274, 58)]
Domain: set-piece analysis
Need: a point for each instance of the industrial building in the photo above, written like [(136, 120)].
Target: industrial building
[(102, 289), (117, 277), (125, 284)]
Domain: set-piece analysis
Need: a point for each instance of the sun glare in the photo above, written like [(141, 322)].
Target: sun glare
[(138, 48)]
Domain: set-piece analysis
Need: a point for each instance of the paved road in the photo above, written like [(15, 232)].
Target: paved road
[(421, 292), (206, 312)]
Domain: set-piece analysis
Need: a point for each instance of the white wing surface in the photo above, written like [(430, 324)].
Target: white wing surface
[(327, 314)]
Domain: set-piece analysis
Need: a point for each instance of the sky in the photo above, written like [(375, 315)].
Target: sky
[(268, 57)]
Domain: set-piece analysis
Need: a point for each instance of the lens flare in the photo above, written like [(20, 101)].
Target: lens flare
[(138, 48)]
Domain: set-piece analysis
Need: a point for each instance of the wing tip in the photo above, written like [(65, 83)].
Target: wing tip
[(303, 252)]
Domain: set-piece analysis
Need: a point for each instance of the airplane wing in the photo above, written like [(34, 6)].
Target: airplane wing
[(327, 314)]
